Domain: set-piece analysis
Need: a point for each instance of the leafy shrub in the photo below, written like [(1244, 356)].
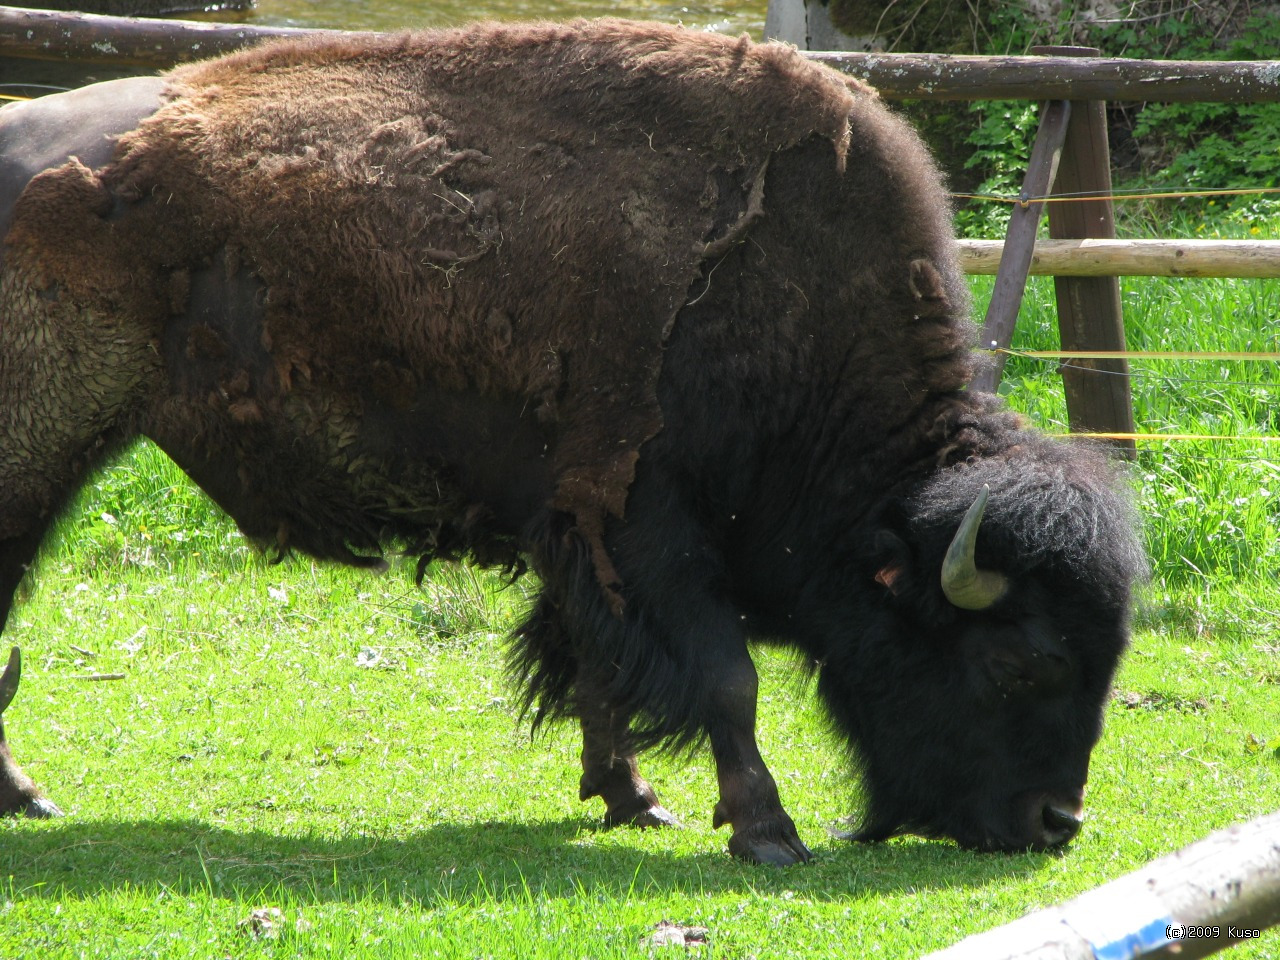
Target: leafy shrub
[(1158, 146), (1194, 146), (1001, 144)]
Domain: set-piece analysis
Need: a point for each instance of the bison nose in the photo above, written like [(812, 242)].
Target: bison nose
[(1059, 822)]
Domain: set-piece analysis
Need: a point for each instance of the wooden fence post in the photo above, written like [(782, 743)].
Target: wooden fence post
[(1020, 239), (1099, 399)]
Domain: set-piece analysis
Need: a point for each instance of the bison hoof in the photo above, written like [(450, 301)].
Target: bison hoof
[(651, 816), (41, 809), (775, 851)]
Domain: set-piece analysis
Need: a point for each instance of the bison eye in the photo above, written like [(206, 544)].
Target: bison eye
[(1007, 669)]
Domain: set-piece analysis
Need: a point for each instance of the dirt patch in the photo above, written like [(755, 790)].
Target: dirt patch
[(1155, 700)]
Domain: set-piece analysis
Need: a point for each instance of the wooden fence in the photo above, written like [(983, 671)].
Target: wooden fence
[(1070, 154), (1133, 258)]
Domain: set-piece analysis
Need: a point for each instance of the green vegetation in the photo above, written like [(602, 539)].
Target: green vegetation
[(1192, 146), (297, 737), (1171, 147)]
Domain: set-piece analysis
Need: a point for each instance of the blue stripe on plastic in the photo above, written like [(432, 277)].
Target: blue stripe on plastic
[(1136, 943)]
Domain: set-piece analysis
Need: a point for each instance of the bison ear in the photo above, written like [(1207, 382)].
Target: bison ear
[(888, 576), (892, 562)]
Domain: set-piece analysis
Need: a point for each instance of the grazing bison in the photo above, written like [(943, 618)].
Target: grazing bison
[(673, 318)]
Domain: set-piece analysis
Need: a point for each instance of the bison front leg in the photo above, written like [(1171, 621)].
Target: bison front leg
[(683, 658), (763, 832), (610, 770)]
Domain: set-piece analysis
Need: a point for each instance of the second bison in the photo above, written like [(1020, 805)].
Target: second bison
[(674, 319)]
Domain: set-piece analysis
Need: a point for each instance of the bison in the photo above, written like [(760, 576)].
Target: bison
[(673, 319)]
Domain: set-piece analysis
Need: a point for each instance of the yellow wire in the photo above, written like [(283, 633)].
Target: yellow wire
[(1137, 354), (1146, 437), (1155, 355), (9, 96), (1026, 202)]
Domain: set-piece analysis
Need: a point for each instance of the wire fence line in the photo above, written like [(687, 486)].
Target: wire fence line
[(1136, 193), (1050, 356), (1047, 356)]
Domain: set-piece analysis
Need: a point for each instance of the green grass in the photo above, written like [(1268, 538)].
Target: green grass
[(340, 746), (295, 737)]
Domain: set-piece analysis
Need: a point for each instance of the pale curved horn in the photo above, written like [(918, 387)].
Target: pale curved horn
[(9, 679), (965, 585)]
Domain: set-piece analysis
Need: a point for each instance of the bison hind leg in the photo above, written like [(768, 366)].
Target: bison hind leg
[(610, 769), (555, 684)]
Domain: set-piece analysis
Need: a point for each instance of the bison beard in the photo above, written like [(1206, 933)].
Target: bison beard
[(674, 318)]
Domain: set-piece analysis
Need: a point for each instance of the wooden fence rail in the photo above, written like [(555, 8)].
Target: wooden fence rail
[(124, 41), (1133, 258), (936, 76), (1189, 904)]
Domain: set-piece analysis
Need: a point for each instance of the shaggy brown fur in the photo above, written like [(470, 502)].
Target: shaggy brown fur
[(417, 221)]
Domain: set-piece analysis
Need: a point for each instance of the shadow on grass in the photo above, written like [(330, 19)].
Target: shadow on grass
[(465, 863)]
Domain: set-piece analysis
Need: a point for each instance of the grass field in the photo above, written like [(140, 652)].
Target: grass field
[(341, 747)]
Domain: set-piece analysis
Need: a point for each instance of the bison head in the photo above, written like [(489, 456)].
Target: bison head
[(17, 793), (974, 691)]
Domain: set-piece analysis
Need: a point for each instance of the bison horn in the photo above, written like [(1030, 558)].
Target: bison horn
[(965, 585), (9, 679)]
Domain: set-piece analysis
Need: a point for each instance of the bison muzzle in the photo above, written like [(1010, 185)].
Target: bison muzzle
[(671, 318)]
